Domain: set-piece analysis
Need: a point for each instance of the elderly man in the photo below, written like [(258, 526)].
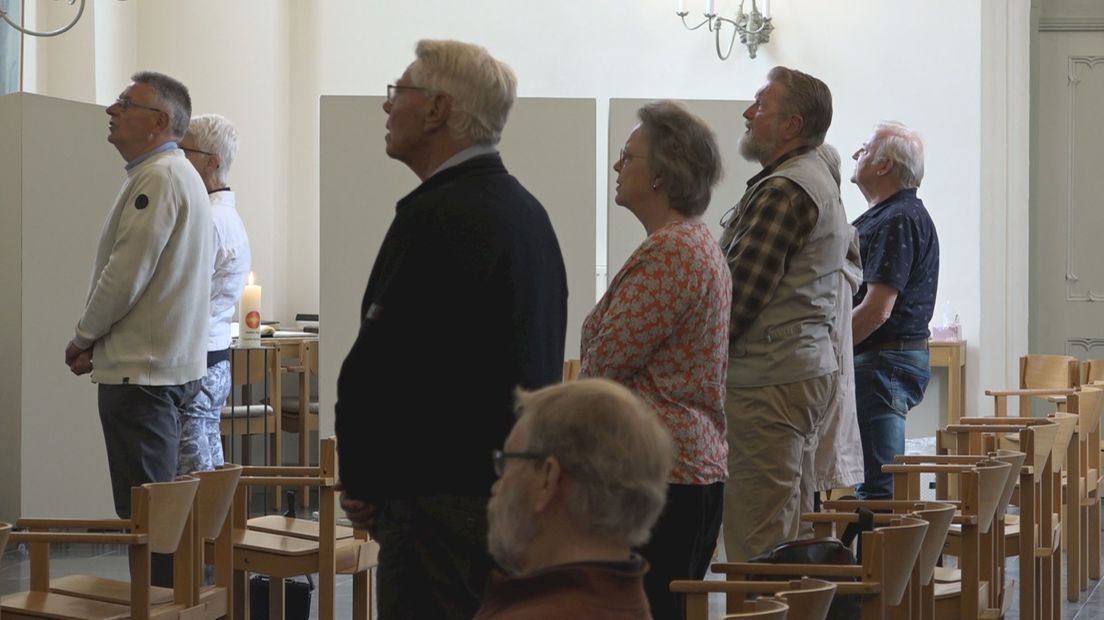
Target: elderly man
[(900, 257), (785, 243), (468, 297), (583, 478), (211, 144), (147, 308)]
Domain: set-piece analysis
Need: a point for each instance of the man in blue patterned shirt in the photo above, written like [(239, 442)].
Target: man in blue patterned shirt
[(900, 258)]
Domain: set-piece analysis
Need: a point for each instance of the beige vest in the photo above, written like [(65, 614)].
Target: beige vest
[(791, 339)]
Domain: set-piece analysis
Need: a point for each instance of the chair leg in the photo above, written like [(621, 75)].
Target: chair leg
[(275, 598), (362, 599)]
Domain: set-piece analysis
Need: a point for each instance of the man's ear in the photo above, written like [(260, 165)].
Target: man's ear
[(883, 167), (439, 109), (551, 484), (792, 127)]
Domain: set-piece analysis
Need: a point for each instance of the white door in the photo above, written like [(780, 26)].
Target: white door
[(1067, 218)]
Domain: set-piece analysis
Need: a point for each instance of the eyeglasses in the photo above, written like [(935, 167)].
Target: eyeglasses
[(188, 150), (392, 90), (625, 157), (125, 103), (498, 457)]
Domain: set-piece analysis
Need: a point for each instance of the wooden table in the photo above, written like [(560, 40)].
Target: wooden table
[(952, 356)]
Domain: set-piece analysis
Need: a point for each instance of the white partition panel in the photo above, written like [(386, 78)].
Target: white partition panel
[(625, 232), (548, 144), (65, 179)]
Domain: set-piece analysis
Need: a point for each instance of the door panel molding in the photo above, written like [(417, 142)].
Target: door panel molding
[(1073, 293)]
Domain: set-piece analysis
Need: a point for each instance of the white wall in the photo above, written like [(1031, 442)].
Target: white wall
[(264, 63)]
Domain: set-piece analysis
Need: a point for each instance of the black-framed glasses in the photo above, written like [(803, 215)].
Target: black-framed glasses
[(125, 103), (499, 458), (191, 150), (393, 89)]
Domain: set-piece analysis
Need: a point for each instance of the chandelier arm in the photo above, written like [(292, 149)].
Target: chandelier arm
[(52, 33), (688, 26), (731, 43)]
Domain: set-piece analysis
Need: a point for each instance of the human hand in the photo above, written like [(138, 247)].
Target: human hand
[(71, 352), (82, 363), (362, 514)]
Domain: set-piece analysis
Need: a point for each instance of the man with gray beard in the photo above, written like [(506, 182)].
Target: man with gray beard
[(785, 243), (582, 479)]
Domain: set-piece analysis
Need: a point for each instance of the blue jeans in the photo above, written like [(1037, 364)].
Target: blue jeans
[(887, 385)]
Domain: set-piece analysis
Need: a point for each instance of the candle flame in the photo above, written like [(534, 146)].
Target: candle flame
[(250, 278)]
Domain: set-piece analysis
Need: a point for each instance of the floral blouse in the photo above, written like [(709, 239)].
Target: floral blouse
[(661, 329)]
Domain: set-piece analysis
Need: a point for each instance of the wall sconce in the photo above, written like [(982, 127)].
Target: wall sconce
[(52, 33), (754, 28)]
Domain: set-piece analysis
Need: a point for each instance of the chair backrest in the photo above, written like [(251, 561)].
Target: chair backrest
[(161, 510), (1067, 424), (1093, 371), (216, 495), (248, 366), (939, 516), (811, 598), (571, 369), (762, 609), (1049, 371), (1086, 404), (993, 475), (1015, 459), (901, 542)]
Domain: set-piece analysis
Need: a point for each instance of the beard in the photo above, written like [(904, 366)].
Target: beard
[(759, 149), (510, 530)]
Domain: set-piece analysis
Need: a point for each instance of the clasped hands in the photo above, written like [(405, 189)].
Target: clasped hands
[(78, 360)]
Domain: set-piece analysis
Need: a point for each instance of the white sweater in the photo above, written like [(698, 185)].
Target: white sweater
[(232, 260), (147, 311)]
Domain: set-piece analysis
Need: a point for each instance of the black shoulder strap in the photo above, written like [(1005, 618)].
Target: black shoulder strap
[(864, 524)]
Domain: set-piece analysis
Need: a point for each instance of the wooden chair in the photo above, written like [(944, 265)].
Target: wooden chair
[(161, 523), (889, 554), (920, 597), (571, 369), (1037, 438), (250, 368), (1041, 376), (286, 547), (212, 518), (1092, 371), (301, 359), (807, 598), (980, 486), (1082, 484), (762, 609)]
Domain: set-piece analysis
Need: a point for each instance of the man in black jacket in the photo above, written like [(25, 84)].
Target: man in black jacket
[(467, 300)]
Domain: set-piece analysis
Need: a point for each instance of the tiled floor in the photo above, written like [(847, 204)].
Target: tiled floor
[(109, 561)]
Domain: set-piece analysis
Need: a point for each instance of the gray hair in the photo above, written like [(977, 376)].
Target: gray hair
[(173, 97), (215, 134), (897, 143), (807, 97), (482, 88), (684, 152), (612, 447)]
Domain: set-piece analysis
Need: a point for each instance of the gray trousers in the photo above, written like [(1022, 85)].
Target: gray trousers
[(142, 435)]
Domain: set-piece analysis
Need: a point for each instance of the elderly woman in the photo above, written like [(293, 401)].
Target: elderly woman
[(662, 330)]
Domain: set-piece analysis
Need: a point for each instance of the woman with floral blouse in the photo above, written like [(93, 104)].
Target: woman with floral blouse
[(662, 330)]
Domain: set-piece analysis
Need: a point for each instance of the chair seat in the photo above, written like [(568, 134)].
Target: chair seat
[(947, 575), (106, 590), (289, 526), (290, 404), (351, 555), (63, 607)]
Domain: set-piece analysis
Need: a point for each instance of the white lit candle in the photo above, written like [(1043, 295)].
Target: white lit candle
[(766, 9), (249, 313), (681, 6), (709, 7)]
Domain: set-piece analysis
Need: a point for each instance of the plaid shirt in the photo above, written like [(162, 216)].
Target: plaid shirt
[(761, 234)]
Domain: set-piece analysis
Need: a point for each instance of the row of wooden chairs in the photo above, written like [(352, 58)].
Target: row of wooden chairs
[(202, 520)]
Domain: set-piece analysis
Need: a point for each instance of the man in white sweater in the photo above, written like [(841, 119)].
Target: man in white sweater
[(146, 321)]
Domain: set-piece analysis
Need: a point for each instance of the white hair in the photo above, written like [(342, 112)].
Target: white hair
[(482, 88), (214, 134), (902, 146)]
